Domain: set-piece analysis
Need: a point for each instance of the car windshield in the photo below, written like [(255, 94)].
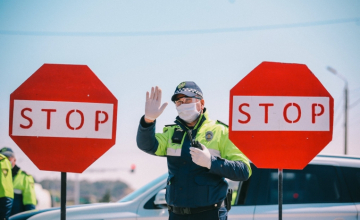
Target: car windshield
[(143, 189)]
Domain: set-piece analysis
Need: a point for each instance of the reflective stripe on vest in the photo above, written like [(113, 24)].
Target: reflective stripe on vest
[(17, 191), (173, 152)]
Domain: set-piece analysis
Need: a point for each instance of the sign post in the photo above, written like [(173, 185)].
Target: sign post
[(280, 189), (281, 117), (63, 118), (63, 196)]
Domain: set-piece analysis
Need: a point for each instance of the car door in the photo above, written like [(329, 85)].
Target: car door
[(316, 192), (147, 209), (244, 205), (352, 179)]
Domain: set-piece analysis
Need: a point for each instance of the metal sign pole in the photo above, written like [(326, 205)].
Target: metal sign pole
[(63, 196), (280, 173)]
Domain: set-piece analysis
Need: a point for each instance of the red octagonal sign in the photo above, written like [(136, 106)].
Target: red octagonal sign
[(63, 117), (281, 116)]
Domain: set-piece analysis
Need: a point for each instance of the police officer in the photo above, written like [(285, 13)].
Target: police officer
[(6, 188), (199, 154), (24, 191)]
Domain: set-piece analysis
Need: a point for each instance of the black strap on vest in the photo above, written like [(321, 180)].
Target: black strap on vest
[(193, 142)]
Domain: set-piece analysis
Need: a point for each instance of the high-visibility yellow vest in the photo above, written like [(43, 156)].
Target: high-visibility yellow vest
[(6, 183), (24, 184), (213, 134)]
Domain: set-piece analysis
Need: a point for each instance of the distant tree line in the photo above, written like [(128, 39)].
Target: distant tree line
[(90, 192)]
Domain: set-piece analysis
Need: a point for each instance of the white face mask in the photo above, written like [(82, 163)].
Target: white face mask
[(188, 112)]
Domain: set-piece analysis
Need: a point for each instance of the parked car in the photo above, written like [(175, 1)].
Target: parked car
[(27, 214), (328, 188)]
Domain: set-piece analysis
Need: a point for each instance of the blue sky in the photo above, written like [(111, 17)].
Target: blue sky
[(133, 45)]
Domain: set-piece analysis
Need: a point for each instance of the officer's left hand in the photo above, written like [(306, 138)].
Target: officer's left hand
[(201, 157)]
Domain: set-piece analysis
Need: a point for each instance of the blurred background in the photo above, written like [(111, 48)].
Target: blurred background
[(134, 45)]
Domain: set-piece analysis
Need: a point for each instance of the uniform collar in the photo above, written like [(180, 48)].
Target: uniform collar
[(15, 170)]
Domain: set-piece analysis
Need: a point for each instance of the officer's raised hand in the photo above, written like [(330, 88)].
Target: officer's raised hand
[(201, 157), (152, 105)]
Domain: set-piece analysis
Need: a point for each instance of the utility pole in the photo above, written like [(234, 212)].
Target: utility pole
[(346, 89), (346, 117)]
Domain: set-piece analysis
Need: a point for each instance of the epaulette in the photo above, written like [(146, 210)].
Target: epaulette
[(166, 128), (220, 122), (1, 157), (25, 173)]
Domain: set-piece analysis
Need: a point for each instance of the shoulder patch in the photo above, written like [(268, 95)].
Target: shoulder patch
[(1, 157), (220, 122), (166, 128), (25, 173), (5, 172)]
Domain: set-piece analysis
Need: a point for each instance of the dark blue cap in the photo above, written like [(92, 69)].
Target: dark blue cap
[(189, 89), (6, 151)]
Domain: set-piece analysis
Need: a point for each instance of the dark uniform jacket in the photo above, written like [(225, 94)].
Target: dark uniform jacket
[(188, 184), (24, 191)]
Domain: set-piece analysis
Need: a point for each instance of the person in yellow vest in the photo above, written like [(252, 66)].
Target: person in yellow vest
[(6, 188), (199, 155), (24, 191)]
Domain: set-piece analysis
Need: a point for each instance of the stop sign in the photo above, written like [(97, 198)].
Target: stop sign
[(63, 117), (281, 116)]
